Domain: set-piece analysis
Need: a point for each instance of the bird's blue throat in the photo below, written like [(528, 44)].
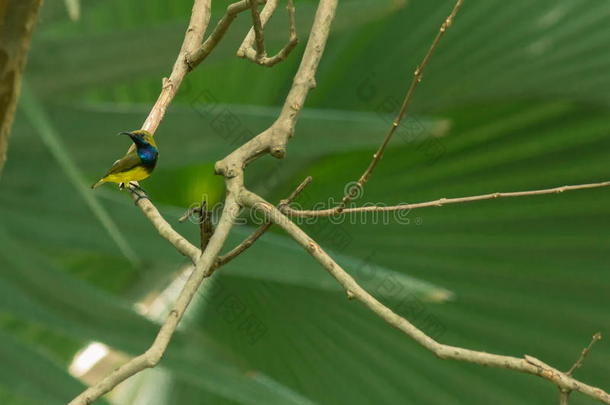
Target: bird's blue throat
[(148, 154)]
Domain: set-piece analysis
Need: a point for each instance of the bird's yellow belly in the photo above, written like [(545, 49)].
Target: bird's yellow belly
[(135, 174)]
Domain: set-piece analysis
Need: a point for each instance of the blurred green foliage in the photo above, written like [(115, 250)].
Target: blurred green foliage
[(515, 98)]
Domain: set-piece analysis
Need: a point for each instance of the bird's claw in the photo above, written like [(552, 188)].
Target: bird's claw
[(138, 192)]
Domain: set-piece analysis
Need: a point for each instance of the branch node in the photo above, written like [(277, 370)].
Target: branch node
[(188, 61), (253, 46), (278, 151), (152, 358)]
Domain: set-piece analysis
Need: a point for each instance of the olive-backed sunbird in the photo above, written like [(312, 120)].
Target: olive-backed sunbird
[(137, 164)]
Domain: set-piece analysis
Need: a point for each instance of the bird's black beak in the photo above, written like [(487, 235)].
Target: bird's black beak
[(129, 134)]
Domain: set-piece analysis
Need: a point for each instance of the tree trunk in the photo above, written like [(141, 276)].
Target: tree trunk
[(17, 19)]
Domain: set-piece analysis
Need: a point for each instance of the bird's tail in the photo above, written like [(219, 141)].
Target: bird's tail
[(98, 183)]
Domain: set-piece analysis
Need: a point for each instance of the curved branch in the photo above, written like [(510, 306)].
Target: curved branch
[(151, 212), (196, 57), (258, 54), (265, 16), (527, 364), (257, 26), (269, 140)]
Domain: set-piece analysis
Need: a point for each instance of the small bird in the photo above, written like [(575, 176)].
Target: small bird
[(137, 164)]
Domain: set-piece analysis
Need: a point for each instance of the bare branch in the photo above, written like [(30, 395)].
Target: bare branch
[(14, 48), (297, 191), (527, 364), (256, 36), (265, 16), (165, 229), (417, 78), (243, 246), (292, 39), (274, 139), (257, 26), (195, 58), (153, 355), (200, 18), (438, 203)]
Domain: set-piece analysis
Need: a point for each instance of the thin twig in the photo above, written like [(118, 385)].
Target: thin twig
[(527, 364), (438, 203), (564, 394), (417, 78), (583, 355), (196, 57), (297, 191), (253, 46)]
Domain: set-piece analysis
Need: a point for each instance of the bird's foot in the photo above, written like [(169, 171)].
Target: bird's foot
[(138, 192)]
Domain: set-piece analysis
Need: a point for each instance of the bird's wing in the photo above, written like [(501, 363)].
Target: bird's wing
[(127, 162)]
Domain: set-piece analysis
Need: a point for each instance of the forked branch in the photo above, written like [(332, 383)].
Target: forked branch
[(152, 356), (526, 364), (260, 231), (272, 140), (197, 56), (583, 355), (253, 46), (564, 394)]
